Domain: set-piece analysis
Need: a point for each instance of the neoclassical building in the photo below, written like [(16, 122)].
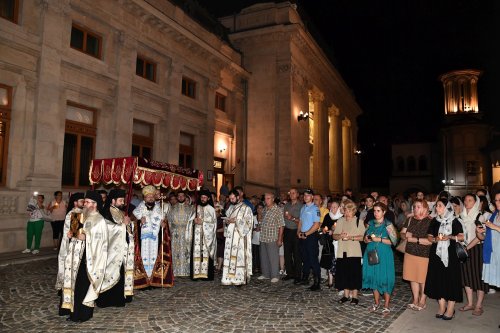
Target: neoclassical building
[(292, 76), (83, 79)]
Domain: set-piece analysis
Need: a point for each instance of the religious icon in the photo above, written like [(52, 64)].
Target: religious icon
[(76, 223)]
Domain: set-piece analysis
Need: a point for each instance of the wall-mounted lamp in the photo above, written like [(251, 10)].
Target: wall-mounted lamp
[(222, 148), (448, 181), (303, 116)]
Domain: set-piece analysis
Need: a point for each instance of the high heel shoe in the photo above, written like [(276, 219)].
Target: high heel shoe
[(449, 318), (440, 315)]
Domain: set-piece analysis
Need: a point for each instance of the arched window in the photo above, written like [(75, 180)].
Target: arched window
[(422, 163), (400, 164), (411, 163)]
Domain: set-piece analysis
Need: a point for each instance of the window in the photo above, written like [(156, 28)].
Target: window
[(9, 10), (220, 102), (411, 163), (472, 167), (5, 109), (186, 150), (145, 68), (188, 87), (85, 41), (422, 163), (142, 139), (79, 144), (400, 164)]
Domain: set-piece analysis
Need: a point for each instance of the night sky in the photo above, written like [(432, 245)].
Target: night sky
[(391, 53)]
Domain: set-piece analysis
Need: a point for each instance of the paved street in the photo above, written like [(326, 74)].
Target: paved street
[(29, 304)]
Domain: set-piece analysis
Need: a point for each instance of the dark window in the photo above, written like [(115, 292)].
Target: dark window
[(79, 146), (186, 150), (5, 109), (188, 87), (400, 162), (145, 69), (411, 163), (472, 167), (220, 102), (85, 41), (422, 163), (9, 10), (142, 139)]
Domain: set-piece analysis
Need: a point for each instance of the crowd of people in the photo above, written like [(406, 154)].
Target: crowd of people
[(109, 248)]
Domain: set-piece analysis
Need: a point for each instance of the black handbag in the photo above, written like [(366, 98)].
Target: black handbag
[(373, 258), (461, 252)]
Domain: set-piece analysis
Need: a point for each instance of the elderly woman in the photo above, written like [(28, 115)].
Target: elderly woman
[(417, 249), (380, 277), (443, 281), (349, 232), (472, 269), (490, 233)]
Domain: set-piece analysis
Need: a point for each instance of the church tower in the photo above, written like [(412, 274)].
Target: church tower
[(464, 134)]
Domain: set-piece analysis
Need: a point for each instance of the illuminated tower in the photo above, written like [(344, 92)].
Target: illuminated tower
[(464, 134)]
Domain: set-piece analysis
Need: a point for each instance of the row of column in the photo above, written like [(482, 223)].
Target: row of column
[(332, 153)]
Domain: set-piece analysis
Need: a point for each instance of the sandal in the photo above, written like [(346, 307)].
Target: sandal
[(477, 311), (412, 306), (374, 307), (386, 311), (420, 308), (354, 301), (343, 300), (466, 308)]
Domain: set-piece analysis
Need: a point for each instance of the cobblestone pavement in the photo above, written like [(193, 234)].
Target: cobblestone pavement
[(29, 303)]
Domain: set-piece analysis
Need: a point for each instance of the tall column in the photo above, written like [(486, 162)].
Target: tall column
[(208, 162), (347, 151), (50, 106), (123, 112), (174, 94), (320, 145), (335, 150)]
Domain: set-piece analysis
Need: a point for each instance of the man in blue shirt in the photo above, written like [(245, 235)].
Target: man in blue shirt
[(308, 238)]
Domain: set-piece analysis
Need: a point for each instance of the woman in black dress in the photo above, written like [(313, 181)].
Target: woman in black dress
[(328, 253), (444, 281)]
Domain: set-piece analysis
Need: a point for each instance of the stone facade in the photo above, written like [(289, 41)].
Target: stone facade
[(290, 73), (45, 73), (284, 71)]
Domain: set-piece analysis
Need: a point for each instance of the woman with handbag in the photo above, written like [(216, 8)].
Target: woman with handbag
[(378, 260), (472, 269), (349, 232), (490, 233), (328, 253), (417, 248), (443, 281)]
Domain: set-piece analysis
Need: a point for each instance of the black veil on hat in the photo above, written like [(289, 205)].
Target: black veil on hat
[(74, 197), (208, 194), (115, 194), (95, 196)]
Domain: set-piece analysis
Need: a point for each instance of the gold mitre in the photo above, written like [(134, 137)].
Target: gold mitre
[(150, 189)]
